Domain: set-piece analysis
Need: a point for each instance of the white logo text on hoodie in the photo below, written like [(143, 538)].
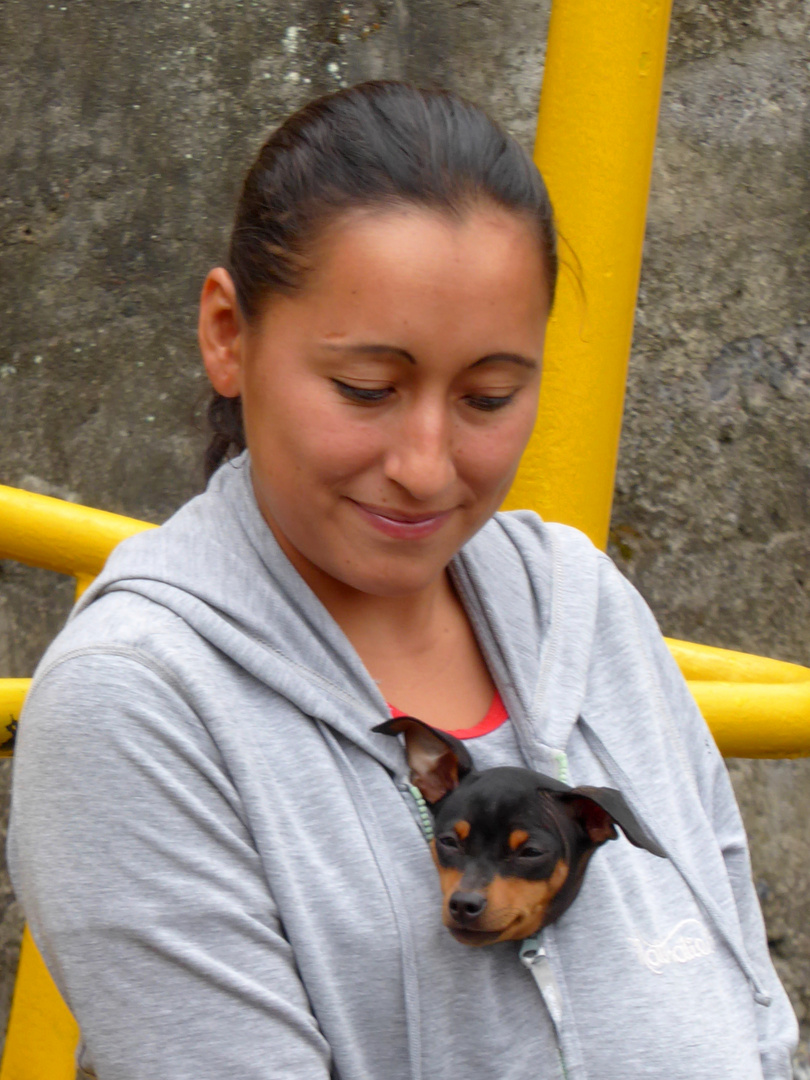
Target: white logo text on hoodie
[(686, 941)]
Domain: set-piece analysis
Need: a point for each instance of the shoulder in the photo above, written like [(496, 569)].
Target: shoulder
[(519, 544), (527, 531), (120, 673), (122, 624)]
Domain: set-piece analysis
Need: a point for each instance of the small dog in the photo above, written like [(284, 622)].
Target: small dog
[(511, 845)]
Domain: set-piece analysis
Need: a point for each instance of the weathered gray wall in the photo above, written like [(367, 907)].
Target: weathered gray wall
[(124, 128)]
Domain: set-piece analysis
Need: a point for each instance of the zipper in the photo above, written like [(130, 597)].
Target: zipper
[(561, 761), (419, 808), (535, 959)]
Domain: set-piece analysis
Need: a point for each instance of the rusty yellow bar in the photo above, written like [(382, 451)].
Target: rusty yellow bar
[(12, 695), (595, 139), (75, 540)]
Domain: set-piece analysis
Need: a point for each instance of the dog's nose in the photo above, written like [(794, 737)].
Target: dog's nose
[(465, 907)]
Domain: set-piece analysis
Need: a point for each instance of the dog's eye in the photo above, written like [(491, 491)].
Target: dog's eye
[(531, 853), (449, 842)]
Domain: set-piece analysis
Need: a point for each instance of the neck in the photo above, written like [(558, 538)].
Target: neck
[(412, 621)]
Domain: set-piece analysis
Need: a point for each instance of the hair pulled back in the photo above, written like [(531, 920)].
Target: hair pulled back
[(376, 144)]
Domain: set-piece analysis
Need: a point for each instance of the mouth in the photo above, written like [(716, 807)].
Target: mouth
[(399, 525), (475, 937)]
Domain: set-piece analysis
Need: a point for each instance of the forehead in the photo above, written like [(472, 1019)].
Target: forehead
[(498, 801), (483, 242), (407, 272)]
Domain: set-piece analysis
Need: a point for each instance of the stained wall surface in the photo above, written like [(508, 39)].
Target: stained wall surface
[(125, 127)]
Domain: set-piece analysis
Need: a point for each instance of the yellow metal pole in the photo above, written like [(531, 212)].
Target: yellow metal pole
[(755, 707), (42, 1035), (58, 535), (595, 140), (76, 540)]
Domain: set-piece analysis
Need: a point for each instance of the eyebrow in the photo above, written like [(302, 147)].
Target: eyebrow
[(376, 350)]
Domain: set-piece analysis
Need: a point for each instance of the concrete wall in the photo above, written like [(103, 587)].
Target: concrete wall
[(126, 126)]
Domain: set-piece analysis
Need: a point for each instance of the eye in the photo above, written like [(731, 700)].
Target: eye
[(449, 841), (364, 395), (531, 853), (487, 403)]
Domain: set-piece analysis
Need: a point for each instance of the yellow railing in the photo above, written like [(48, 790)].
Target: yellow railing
[(58, 535), (755, 707), (75, 540), (595, 140)]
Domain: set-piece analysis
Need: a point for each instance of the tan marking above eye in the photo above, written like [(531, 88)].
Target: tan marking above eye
[(516, 838), (462, 829)]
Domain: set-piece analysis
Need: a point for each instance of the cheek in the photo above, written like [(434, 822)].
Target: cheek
[(521, 904), (307, 437), (490, 458)]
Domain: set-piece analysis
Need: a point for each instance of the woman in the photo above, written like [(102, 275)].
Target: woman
[(218, 857)]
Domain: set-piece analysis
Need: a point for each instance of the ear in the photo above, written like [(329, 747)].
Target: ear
[(599, 809), (438, 761), (220, 332)]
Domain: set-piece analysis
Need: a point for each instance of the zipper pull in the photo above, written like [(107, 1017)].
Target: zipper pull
[(533, 956)]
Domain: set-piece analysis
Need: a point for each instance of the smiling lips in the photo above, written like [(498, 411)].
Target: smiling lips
[(402, 526)]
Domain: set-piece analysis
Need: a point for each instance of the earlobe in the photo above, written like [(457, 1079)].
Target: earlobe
[(220, 333)]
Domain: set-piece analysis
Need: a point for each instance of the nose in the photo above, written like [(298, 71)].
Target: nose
[(465, 907), (420, 457)]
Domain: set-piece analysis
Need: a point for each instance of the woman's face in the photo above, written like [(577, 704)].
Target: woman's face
[(388, 401)]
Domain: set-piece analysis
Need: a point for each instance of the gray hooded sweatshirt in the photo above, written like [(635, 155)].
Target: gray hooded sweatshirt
[(223, 868)]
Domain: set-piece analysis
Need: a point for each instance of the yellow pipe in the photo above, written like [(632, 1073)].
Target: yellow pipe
[(701, 663), (755, 707), (58, 535), (757, 720), (42, 1034), (12, 695), (595, 140)]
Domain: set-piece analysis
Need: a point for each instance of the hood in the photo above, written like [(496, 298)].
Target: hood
[(217, 566), (537, 588)]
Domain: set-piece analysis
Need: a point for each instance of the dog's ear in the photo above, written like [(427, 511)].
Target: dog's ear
[(438, 761), (600, 809)]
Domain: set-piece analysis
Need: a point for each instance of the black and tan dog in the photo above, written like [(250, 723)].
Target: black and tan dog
[(511, 845)]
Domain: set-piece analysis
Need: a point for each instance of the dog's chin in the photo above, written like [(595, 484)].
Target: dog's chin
[(476, 937), (516, 931)]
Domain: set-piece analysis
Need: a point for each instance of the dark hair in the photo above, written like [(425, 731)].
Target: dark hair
[(375, 144)]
